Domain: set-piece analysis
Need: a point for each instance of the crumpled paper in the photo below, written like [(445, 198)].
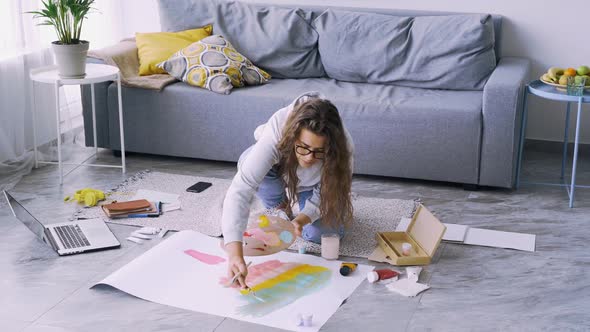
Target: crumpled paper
[(407, 287)]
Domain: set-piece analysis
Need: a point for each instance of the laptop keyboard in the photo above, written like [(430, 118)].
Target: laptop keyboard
[(71, 236)]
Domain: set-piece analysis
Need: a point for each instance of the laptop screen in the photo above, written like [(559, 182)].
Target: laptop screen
[(25, 217)]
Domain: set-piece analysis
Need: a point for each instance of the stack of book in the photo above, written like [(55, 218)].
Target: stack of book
[(140, 208)]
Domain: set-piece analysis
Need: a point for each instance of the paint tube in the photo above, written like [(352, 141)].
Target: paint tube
[(381, 274), (347, 268)]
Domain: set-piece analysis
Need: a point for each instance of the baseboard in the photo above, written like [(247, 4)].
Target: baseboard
[(552, 146)]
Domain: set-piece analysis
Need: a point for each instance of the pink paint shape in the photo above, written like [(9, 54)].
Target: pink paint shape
[(269, 238), (205, 258)]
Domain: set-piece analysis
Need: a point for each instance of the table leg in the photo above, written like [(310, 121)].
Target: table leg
[(94, 120), (522, 136), (60, 166), (575, 163), (121, 130), (565, 140), (34, 113)]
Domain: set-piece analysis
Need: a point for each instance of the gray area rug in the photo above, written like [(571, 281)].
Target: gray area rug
[(202, 211)]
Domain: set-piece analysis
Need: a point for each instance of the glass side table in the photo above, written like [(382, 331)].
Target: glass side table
[(543, 90), (95, 73)]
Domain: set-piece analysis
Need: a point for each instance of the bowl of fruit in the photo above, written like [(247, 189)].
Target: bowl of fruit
[(557, 76)]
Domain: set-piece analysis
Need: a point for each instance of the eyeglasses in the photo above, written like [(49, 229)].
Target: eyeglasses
[(302, 150)]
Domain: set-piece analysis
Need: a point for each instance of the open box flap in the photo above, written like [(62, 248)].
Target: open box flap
[(426, 229)]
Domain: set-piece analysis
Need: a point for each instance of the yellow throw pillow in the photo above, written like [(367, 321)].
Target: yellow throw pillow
[(212, 63), (153, 48)]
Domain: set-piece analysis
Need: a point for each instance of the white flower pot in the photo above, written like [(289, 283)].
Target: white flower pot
[(71, 59)]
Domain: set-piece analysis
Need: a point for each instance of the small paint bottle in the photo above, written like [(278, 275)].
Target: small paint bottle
[(347, 268), (381, 274), (302, 248), (406, 249)]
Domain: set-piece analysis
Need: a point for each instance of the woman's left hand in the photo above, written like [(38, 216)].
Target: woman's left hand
[(298, 223)]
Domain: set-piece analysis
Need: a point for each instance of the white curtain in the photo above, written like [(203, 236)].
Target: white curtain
[(23, 46)]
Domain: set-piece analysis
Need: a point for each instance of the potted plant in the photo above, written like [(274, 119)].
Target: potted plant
[(67, 16)]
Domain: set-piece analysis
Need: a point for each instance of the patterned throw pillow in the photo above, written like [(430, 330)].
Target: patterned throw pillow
[(212, 63)]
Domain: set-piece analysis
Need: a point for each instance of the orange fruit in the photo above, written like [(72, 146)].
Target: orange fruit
[(570, 72)]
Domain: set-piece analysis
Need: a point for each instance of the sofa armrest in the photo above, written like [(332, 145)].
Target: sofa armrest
[(502, 112), (101, 107)]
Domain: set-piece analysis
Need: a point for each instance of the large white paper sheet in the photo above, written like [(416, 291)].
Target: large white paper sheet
[(188, 269)]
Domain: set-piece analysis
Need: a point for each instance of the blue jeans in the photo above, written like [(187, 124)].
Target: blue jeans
[(272, 193)]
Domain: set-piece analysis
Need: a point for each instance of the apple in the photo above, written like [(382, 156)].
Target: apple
[(578, 80), (583, 70), (563, 80)]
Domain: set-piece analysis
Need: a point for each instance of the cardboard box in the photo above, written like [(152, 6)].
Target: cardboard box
[(424, 233)]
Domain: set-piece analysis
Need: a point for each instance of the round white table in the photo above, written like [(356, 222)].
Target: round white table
[(95, 73), (545, 91)]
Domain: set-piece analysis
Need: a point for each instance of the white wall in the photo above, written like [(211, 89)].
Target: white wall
[(550, 33)]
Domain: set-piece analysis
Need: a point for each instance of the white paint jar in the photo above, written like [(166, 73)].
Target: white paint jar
[(330, 246)]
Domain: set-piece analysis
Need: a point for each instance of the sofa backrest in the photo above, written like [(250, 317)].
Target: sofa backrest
[(316, 11), (176, 15), (280, 40), (284, 39)]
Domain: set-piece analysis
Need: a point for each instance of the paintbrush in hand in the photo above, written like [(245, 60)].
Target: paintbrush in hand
[(236, 276)]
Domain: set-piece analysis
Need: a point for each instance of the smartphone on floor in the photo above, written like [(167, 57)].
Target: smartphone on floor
[(199, 187)]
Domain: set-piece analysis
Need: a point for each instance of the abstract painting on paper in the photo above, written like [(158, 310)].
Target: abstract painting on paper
[(189, 271)]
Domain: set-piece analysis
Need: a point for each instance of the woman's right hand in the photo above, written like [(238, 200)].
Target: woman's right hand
[(236, 263)]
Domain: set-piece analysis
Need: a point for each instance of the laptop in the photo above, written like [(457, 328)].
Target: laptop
[(67, 238)]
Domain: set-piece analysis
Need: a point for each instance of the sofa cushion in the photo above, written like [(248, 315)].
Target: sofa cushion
[(440, 52), (279, 40), (155, 47), (212, 63)]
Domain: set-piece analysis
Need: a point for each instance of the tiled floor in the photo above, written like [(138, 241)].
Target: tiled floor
[(473, 288)]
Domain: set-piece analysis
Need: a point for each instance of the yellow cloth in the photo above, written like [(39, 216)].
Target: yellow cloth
[(153, 48)]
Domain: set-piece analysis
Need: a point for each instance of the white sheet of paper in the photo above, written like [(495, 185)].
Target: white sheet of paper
[(481, 237), (187, 271), (403, 224), (499, 239), (170, 202), (156, 196), (455, 233)]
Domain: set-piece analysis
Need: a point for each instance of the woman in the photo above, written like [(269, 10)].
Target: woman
[(305, 149)]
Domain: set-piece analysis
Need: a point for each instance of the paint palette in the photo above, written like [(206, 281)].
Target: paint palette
[(268, 235)]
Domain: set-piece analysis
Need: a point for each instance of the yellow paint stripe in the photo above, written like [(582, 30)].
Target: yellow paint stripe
[(286, 276)]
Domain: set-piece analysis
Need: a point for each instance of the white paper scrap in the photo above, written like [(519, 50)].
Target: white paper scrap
[(407, 287)]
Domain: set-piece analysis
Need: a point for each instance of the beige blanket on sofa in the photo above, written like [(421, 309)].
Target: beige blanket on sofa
[(124, 56)]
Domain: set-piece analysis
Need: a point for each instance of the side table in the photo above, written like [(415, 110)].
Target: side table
[(95, 73), (543, 90)]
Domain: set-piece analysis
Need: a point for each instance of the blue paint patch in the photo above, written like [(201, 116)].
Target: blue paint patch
[(286, 236)]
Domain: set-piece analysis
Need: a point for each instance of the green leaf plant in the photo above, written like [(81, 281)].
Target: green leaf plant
[(66, 16)]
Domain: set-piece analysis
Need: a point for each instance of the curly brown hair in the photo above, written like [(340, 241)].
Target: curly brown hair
[(320, 117)]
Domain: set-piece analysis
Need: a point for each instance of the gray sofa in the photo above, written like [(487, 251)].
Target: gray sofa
[(458, 134)]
